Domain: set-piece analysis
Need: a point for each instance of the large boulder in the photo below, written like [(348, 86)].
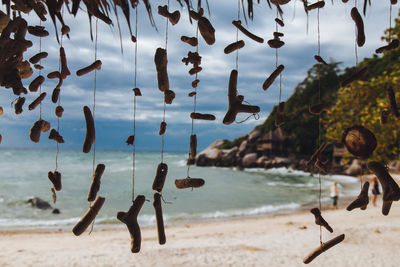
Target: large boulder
[(244, 149), (261, 161), (211, 155), (253, 136), (229, 158), (249, 160)]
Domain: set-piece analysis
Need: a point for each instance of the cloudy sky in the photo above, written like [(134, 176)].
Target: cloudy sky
[(114, 97)]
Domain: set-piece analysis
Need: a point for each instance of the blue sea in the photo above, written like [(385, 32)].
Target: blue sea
[(227, 192)]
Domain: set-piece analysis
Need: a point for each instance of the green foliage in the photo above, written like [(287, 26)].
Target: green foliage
[(233, 143)]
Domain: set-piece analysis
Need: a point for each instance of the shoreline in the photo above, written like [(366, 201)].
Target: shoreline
[(279, 240)]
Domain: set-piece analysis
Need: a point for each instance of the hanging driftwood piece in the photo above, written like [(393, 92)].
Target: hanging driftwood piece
[(163, 127), (169, 96), (207, 31), (322, 248), (137, 92), (355, 15), (160, 60), (39, 56), (161, 175), (37, 101), (189, 40), (189, 182), (38, 31), (267, 83), (95, 186), (391, 191), (280, 22), (320, 60), (34, 85), (90, 215), (193, 147), (279, 2), (90, 130), (234, 46), (172, 17), (55, 135), (38, 127), (359, 141), (64, 67), (55, 178), (319, 4), (238, 24), (319, 220), (358, 75), (201, 116), (94, 66), (59, 111), (18, 105), (235, 101), (130, 219), (159, 218), (362, 199), (130, 140), (393, 45)]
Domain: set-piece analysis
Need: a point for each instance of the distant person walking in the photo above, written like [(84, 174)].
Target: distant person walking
[(375, 191), (334, 195)]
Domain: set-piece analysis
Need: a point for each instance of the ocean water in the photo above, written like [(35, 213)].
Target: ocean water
[(227, 192)]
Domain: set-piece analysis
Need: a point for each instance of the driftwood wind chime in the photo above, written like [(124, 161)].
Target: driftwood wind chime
[(194, 58), (96, 201), (160, 60), (130, 217), (318, 159), (61, 74), (235, 104)]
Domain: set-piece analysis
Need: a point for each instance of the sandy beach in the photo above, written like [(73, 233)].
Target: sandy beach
[(283, 240)]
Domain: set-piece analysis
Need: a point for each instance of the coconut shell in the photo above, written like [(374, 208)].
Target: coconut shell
[(359, 141)]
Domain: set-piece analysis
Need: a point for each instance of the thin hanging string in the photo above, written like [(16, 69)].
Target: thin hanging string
[(390, 24), (194, 99), (355, 40), (94, 92), (319, 120), (40, 71), (166, 47), (357, 91), (59, 98), (134, 111), (276, 60), (237, 38), (94, 107)]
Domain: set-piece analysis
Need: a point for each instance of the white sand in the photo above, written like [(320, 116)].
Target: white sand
[(371, 240)]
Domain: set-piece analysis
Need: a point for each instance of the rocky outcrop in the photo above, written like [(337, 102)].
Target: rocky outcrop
[(211, 155), (39, 203)]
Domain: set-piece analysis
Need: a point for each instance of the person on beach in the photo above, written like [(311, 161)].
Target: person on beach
[(375, 191), (334, 195)]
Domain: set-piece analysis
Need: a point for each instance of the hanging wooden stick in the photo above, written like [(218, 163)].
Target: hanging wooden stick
[(90, 215), (159, 218), (322, 248), (130, 219)]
